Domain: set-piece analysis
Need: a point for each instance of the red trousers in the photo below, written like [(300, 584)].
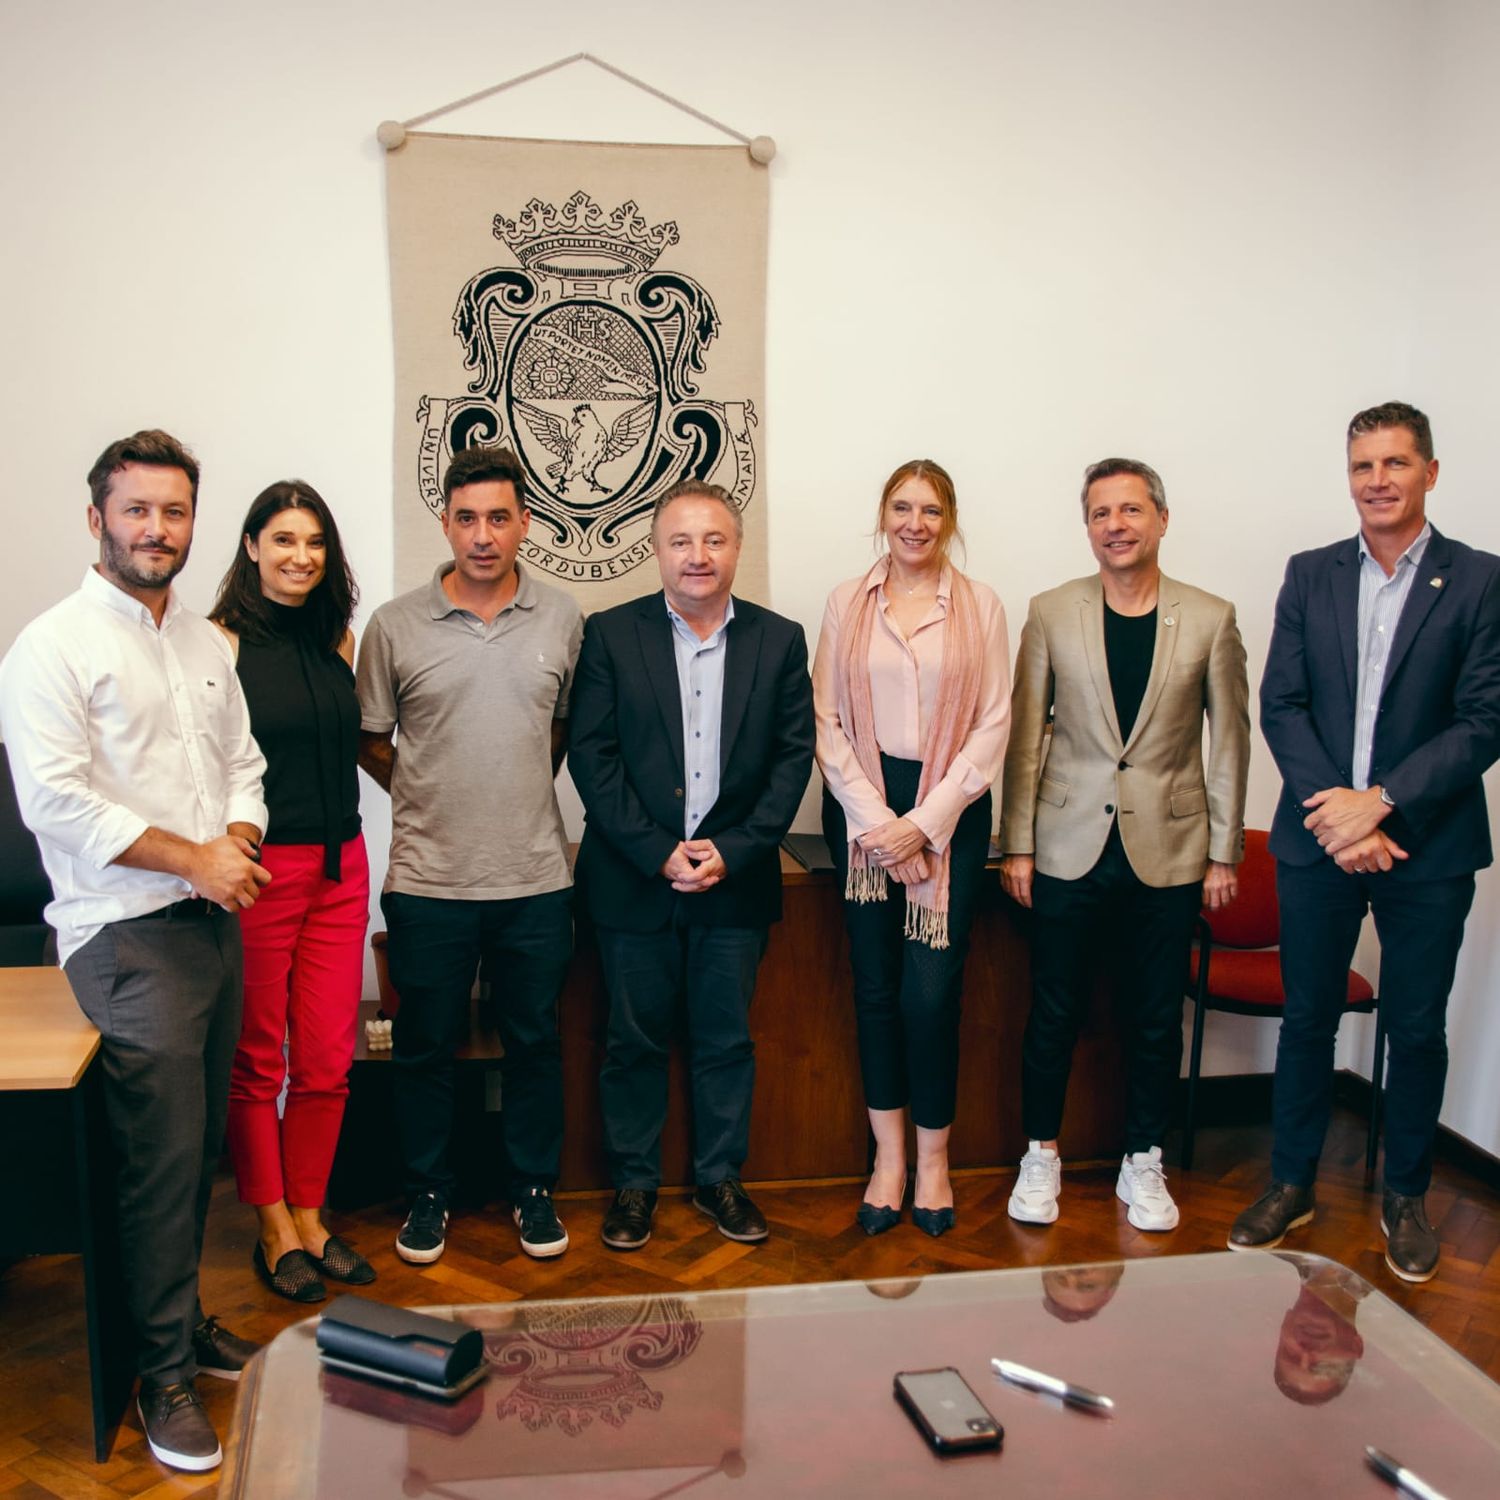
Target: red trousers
[(304, 971)]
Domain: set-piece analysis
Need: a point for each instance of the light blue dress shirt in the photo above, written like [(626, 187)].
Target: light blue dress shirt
[(1380, 603), (700, 681)]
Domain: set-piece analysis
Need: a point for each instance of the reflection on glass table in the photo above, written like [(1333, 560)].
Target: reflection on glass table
[(1231, 1375)]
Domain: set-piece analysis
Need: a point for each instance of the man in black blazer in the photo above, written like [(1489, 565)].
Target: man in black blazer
[(1381, 705), (690, 743)]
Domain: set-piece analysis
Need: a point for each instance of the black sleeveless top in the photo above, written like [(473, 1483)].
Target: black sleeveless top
[(305, 718)]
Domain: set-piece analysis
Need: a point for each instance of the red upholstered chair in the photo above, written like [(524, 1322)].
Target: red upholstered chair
[(1236, 966)]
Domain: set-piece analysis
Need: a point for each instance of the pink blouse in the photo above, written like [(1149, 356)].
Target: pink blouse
[(903, 686)]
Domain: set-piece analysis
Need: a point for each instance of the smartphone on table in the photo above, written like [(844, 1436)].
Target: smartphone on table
[(946, 1411)]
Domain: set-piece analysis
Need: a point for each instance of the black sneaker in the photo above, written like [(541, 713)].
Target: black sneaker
[(542, 1234), (627, 1225), (423, 1235), (729, 1206), (1411, 1243), (220, 1352), (177, 1431)]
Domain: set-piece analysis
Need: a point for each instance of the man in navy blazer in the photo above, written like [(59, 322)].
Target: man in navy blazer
[(690, 743), (1381, 705)]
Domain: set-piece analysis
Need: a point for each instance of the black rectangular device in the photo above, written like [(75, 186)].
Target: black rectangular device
[(947, 1412), (435, 1356)]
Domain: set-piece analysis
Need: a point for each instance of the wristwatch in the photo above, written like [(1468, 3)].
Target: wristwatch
[(1386, 797)]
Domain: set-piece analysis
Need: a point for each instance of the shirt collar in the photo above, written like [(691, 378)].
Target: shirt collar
[(1412, 555), (98, 588), (440, 606), (680, 624), (882, 570)]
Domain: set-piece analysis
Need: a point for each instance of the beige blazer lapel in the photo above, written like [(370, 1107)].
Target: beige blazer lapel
[(1168, 605), (1091, 629)]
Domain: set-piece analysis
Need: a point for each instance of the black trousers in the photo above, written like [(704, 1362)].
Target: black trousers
[(709, 971), (434, 948), (165, 993), (1142, 933), (907, 995), (1420, 925)]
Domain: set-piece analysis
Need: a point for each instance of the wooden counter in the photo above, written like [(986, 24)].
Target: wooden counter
[(48, 1041), (809, 1117)]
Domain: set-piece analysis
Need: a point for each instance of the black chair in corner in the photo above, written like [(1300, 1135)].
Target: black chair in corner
[(25, 938)]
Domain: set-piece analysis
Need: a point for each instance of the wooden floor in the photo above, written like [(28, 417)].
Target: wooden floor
[(45, 1450)]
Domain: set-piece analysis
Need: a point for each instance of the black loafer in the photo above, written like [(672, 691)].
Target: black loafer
[(876, 1218), (295, 1277), (1266, 1221), (1411, 1243), (340, 1261), (627, 1225), (729, 1206), (933, 1221)]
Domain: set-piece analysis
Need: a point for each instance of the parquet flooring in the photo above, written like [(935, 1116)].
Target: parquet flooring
[(46, 1454)]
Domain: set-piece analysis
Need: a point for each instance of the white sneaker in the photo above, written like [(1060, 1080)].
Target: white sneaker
[(1034, 1200), (1143, 1185)]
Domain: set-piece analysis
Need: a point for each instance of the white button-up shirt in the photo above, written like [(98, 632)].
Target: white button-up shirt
[(112, 727), (1381, 600)]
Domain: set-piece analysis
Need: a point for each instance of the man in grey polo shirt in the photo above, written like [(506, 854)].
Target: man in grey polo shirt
[(463, 690)]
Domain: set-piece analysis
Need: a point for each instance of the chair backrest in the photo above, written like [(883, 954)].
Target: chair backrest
[(25, 937), (1252, 919)]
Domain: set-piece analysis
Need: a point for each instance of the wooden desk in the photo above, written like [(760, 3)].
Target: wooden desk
[(56, 1188), (49, 1042), (809, 1117)]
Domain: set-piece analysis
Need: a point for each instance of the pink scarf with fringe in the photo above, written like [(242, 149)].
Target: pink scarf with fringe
[(952, 718)]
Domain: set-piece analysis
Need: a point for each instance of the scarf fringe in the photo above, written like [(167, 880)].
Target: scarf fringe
[(865, 883), (926, 924)]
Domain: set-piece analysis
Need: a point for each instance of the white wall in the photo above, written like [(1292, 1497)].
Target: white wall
[(1010, 236)]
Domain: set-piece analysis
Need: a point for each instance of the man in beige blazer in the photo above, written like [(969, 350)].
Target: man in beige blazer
[(1113, 832)]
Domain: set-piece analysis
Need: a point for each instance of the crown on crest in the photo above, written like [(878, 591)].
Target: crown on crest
[(579, 241)]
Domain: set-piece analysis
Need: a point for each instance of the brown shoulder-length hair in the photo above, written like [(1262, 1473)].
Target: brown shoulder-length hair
[(942, 483), (241, 605)]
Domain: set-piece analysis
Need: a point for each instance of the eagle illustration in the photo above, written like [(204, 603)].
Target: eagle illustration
[(581, 443)]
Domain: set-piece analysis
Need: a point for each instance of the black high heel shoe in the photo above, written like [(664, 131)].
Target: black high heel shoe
[(876, 1218), (933, 1221)]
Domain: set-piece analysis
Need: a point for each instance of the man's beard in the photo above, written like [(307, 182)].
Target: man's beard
[(141, 570)]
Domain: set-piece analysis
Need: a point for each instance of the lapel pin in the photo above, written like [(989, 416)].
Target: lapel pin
[(1169, 621), (1437, 583)]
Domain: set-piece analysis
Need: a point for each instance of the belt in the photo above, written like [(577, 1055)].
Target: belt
[(189, 907)]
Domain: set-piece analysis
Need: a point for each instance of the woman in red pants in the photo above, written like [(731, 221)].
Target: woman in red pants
[(285, 605)]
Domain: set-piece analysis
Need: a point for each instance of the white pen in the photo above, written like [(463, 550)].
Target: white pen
[(1033, 1380), (1394, 1473)]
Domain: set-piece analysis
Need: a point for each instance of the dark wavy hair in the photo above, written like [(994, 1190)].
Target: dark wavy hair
[(241, 605)]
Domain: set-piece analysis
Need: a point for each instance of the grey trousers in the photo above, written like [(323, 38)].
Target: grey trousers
[(165, 993)]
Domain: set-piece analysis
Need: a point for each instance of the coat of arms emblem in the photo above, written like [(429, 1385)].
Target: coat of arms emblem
[(585, 360)]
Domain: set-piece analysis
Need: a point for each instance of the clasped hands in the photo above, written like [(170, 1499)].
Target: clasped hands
[(899, 848), (1346, 825), (694, 865), (226, 872)]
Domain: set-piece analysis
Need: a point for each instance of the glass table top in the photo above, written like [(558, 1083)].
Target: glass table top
[(1253, 1374)]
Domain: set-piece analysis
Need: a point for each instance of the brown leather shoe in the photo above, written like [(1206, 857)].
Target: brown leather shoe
[(1411, 1243), (1266, 1221)]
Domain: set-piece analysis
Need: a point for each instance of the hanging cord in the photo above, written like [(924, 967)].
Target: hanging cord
[(392, 133)]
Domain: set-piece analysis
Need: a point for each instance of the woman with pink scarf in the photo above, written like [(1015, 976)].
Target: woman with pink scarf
[(911, 685)]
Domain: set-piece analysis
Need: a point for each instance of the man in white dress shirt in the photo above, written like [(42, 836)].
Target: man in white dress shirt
[(134, 766)]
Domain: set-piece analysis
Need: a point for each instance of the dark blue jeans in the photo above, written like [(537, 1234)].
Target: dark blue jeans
[(434, 949), (1420, 924), (709, 971)]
